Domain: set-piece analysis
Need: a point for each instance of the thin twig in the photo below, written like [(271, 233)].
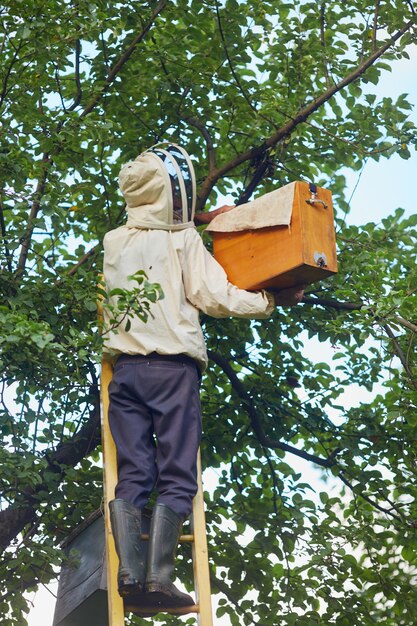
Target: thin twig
[(375, 26), (323, 43), (79, 92), (400, 354), (274, 480), (211, 152), (123, 59), (3, 234), (368, 499), (229, 60), (37, 197)]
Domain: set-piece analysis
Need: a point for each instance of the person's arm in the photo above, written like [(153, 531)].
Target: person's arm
[(289, 297), (207, 288), (283, 297), (207, 216)]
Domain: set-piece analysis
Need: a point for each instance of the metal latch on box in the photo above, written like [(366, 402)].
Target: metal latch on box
[(314, 200)]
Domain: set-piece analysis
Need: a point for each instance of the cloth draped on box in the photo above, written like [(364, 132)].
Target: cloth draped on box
[(272, 209)]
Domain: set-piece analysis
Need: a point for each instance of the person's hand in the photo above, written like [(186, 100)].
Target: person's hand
[(222, 209), (206, 217), (289, 297)]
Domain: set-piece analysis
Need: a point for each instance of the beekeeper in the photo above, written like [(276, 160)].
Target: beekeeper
[(154, 413)]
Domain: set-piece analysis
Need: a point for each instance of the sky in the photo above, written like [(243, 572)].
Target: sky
[(382, 187), (388, 184)]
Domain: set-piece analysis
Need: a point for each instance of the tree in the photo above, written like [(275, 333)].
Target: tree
[(260, 93)]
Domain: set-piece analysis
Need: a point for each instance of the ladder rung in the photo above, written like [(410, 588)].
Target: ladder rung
[(183, 538), (148, 611)]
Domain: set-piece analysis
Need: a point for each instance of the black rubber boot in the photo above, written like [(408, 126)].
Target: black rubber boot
[(126, 527), (163, 540)]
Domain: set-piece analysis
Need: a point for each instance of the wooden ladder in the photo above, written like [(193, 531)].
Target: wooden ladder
[(198, 538)]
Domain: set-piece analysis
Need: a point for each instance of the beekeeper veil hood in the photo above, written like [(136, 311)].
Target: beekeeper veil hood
[(159, 189)]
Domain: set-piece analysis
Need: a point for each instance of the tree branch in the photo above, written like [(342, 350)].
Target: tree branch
[(355, 306), (123, 59), (256, 179), (375, 26), (403, 322), (270, 443), (400, 354), (300, 117), (3, 234), (93, 250), (37, 197), (67, 454), (263, 439), (410, 4), (8, 73), (12, 522), (84, 260), (368, 499), (79, 92), (323, 43), (211, 152), (232, 69), (224, 588), (334, 304)]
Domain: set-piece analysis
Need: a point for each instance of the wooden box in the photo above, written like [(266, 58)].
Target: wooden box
[(82, 590), (283, 256)]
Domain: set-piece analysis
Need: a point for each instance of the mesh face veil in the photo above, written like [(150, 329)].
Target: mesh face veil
[(181, 174)]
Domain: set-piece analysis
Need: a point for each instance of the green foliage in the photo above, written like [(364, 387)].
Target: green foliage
[(247, 87), (124, 304)]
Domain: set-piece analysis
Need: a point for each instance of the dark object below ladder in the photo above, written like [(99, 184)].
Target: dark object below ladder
[(82, 589)]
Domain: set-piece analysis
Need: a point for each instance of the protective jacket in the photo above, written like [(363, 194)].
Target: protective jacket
[(160, 238)]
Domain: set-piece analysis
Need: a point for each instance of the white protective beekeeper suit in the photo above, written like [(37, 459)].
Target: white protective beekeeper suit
[(154, 390), (160, 238)]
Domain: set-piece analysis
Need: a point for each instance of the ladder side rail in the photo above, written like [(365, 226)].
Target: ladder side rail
[(115, 601), (200, 555)]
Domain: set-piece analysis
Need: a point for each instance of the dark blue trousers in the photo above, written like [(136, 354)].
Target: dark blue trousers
[(155, 420)]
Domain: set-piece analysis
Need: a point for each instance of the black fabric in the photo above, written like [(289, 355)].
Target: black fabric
[(172, 156), (155, 420), (163, 540), (126, 528)]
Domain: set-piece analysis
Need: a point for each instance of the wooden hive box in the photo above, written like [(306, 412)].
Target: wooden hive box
[(82, 589), (279, 257)]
